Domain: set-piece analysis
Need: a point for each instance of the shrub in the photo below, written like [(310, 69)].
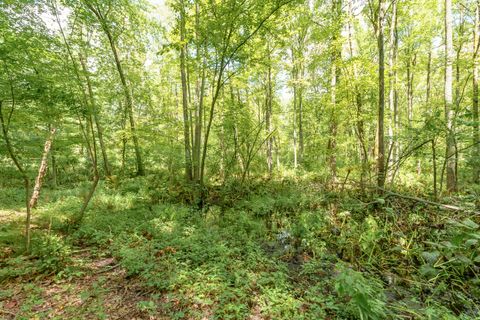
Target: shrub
[(53, 253), (365, 298)]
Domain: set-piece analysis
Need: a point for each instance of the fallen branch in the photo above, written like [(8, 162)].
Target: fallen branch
[(108, 269), (432, 203), (428, 202)]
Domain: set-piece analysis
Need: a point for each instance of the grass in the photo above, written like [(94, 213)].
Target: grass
[(276, 250)]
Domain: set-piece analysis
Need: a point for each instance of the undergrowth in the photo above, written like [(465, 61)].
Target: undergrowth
[(277, 250)]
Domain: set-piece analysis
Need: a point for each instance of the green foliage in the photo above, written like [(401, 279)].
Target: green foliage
[(53, 252), (454, 256), (364, 296)]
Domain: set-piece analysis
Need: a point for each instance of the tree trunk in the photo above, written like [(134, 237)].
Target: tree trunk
[(449, 111), (54, 175), (335, 76), (96, 177), (294, 76), (126, 89), (429, 85), (301, 144), (186, 122), (42, 170), (332, 143), (200, 92), (410, 75), (393, 93), (476, 124), (381, 98), (434, 161), (96, 117), (268, 116)]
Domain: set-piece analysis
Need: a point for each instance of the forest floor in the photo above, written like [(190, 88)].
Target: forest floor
[(267, 250)]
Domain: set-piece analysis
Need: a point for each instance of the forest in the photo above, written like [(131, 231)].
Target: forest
[(239, 159)]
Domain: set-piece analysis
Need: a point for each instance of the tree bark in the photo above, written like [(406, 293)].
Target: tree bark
[(295, 94), (186, 122), (301, 144), (268, 115), (434, 160), (410, 76), (42, 170), (381, 98), (200, 93), (476, 124), (393, 93), (449, 111), (335, 76), (429, 76)]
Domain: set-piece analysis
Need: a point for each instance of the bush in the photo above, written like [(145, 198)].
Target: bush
[(53, 253), (364, 297)]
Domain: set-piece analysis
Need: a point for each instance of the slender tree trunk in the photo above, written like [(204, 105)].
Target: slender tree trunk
[(429, 85), (434, 161), (129, 106), (54, 169), (476, 124), (42, 170), (198, 127), (199, 93), (449, 111), (381, 98), (332, 143), (23, 173), (96, 117), (126, 90), (268, 116), (294, 76), (336, 57), (410, 75), (301, 144), (93, 154), (186, 122), (393, 93)]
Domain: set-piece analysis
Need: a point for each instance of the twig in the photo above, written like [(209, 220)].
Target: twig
[(8, 312), (108, 269)]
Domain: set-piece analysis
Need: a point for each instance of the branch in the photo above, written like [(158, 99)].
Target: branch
[(432, 203)]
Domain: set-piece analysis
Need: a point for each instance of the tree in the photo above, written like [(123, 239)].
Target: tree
[(449, 111), (101, 12), (476, 120)]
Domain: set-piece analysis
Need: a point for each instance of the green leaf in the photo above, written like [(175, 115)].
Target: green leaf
[(428, 271), (430, 257), (471, 242), (470, 224)]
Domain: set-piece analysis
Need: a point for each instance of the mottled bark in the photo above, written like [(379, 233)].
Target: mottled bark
[(42, 170)]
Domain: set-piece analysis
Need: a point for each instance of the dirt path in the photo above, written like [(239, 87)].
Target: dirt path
[(99, 289)]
